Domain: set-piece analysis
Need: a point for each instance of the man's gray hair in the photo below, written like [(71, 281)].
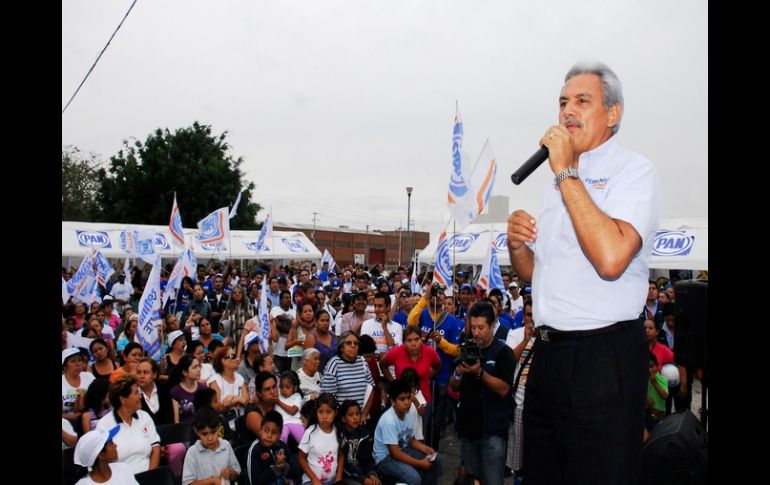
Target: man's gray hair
[(612, 89)]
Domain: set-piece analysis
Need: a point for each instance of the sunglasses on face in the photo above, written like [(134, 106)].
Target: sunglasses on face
[(351, 343)]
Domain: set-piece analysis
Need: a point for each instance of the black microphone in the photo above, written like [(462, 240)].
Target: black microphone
[(530, 165)]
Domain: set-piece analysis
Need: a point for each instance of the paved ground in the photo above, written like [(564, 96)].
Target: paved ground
[(450, 443)]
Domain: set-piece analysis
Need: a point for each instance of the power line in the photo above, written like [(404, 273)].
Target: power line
[(99, 57)]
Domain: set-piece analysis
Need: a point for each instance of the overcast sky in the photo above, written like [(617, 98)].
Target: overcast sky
[(337, 106)]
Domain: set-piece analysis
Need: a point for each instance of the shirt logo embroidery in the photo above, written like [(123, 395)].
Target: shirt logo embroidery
[(599, 183)]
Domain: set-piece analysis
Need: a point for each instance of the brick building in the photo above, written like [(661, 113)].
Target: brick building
[(372, 247)]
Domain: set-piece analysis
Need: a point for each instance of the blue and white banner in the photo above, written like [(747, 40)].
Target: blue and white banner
[(145, 245), (327, 258), (65, 294), (128, 240), (442, 273), (215, 228), (175, 225), (490, 276), (78, 279), (459, 194), (174, 280), (413, 281), (469, 187), (264, 322), (265, 233), (103, 268), (149, 313)]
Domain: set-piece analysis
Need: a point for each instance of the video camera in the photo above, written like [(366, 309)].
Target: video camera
[(470, 352), (435, 288)]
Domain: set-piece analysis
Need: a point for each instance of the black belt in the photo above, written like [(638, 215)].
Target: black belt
[(548, 334)]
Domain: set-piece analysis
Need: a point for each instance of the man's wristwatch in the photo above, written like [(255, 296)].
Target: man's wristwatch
[(567, 172)]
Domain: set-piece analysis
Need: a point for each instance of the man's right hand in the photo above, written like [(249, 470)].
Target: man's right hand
[(521, 228)]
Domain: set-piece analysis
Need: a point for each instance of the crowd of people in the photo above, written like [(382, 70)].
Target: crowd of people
[(338, 340)]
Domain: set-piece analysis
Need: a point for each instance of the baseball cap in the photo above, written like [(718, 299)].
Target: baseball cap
[(173, 336), (251, 338), (66, 353), (513, 285), (91, 444)]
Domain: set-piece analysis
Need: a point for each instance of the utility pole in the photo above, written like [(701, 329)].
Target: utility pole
[(314, 221), (366, 255)]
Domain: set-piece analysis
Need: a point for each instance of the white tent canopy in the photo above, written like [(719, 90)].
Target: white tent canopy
[(681, 243), (78, 237)]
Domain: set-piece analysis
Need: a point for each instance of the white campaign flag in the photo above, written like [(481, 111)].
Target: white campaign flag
[(234, 210), (65, 295), (490, 276), (469, 187), (175, 225), (327, 258), (265, 233), (103, 268), (128, 240), (214, 229), (174, 281), (416, 290), (127, 268), (264, 322), (145, 245), (75, 284), (149, 313)]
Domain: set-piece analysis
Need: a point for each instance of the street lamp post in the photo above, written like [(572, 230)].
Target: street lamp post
[(409, 221)]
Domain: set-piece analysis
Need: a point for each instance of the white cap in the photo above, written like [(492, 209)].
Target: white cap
[(68, 353), (91, 444), (251, 337), (173, 336)]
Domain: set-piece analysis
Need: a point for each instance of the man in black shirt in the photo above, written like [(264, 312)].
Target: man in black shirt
[(486, 402)]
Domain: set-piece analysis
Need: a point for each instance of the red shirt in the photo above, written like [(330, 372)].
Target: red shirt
[(399, 358), (663, 354)]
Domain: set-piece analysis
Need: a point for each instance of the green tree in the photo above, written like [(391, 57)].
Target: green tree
[(138, 187), (79, 185)]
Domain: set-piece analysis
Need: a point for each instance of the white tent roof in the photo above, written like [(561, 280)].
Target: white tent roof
[(78, 237), (681, 243)]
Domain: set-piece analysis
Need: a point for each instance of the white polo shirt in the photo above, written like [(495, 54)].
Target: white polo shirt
[(134, 441), (567, 291)]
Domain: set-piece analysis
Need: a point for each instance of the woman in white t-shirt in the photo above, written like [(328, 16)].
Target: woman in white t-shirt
[(230, 388), (74, 383)]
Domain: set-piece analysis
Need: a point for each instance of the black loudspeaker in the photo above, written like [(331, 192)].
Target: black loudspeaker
[(676, 452), (692, 320)]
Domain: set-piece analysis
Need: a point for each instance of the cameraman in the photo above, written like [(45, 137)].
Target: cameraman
[(431, 319), (486, 401)]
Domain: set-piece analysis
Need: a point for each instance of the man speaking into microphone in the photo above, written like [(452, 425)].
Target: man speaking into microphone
[(587, 256)]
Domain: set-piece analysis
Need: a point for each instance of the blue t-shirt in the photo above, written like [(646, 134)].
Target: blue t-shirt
[(391, 431), (401, 318), (450, 329)]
